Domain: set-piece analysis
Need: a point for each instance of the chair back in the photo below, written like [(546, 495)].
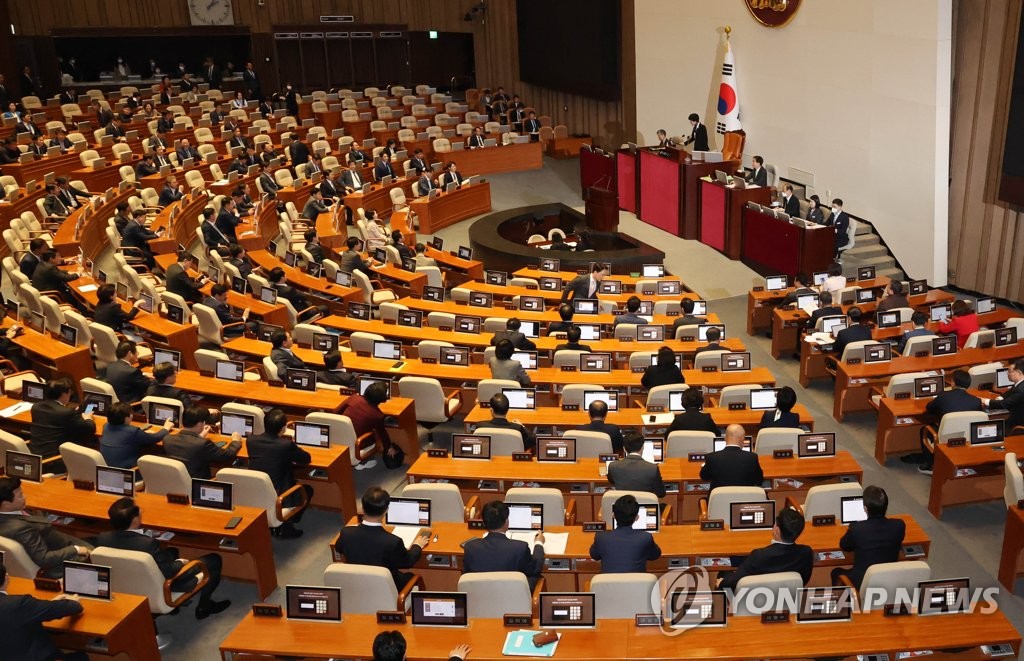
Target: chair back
[(567, 357), (90, 384), (771, 439), (17, 560), (163, 401), (680, 443), (252, 488), (659, 395), (366, 589), (755, 604), (609, 497), (246, 409), (622, 596), (739, 394), (980, 338), (708, 359), (552, 499), (362, 341), (446, 502), (504, 442), (210, 326), (1013, 492), (882, 581), (164, 475), (134, 572), (491, 594), (902, 383), (81, 461), (855, 350), (573, 393), (590, 444), (825, 499), (428, 398), (488, 388), (431, 348), (721, 499), (919, 344), (958, 425), (983, 377)]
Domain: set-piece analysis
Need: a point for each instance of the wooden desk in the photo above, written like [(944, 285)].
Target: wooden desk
[(124, 624), (379, 197), (1013, 544), (449, 208), (330, 474), (629, 282), (567, 147), (248, 555), (462, 269), (404, 282), (772, 246), (503, 158), (760, 304), (322, 291), (899, 427), (969, 474), (721, 225), (693, 173), (54, 354), (554, 297)]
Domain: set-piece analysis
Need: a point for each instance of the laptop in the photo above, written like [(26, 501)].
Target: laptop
[(1002, 379), (1006, 337), (435, 294), (951, 595), (763, 399), (437, 243), (941, 312), (176, 313), (866, 273), (439, 609), (523, 399), (87, 580), (211, 494), (28, 467), (454, 356), (325, 342), (609, 397), (387, 350), (928, 386), (700, 308), (159, 413), (820, 277), (318, 604), (589, 331), (528, 359), (467, 446), (343, 279), (984, 305), (648, 518), (268, 295), (654, 450), (239, 285), (167, 356), (525, 520), (776, 282), (595, 362), (675, 401), (115, 481), (240, 423), (311, 434), (816, 445), (752, 516), (825, 604), (585, 306), (685, 609), (986, 432), (465, 253), (367, 381), (564, 610), (737, 361), (408, 517), (556, 448), (878, 353), (230, 370), (410, 318), (832, 325), (296, 379), (865, 295), (35, 392)]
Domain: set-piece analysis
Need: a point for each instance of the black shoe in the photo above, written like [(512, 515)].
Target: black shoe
[(288, 531), (913, 458), (924, 469), (204, 611)]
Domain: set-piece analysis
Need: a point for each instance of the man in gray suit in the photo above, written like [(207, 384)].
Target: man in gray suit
[(503, 367), (514, 335), (633, 473), (46, 546)]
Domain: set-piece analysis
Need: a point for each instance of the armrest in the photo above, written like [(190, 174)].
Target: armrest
[(929, 436), (52, 460), (311, 308), (537, 589), (449, 397), (665, 515), (1017, 429), (415, 582), (703, 503), (792, 504), (361, 443), (570, 513), (472, 506), (200, 583), (234, 324), (6, 365), (279, 505), (845, 581)]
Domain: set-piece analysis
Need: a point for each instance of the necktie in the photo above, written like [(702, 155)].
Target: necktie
[(591, 288)]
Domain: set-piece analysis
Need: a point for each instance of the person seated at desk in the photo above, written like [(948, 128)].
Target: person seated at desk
[(243, 203), (802, 287), (178, 281), (920, 321), (53, 206), (138, 236), (27, 126), (267, 182), (558, 243), (732, 466), (239, 260), (496, 552), (572, 343), (282, 355), (499, 418), (115, 129), (584, 239), (356, 156), (514, 335), (48, 277), (963, 323), (69, 194), (121, 442), (333, 374), (313, 247), (11, 351), (877, 539), (398, 242), (598, 411), (39, 147), (503, 367), (390, 646), (586, 286), (128, 381), (857, 331), (369, 543), (266, 155), (125, 114), (687, 307), (186, 151), (955, 400), (895, 297), (160, 157), (10, 152), (425, 183), (565, 314), (192, 447), (31, 259), (624, 549), (532, 127), (109, 312), (351, 260), (825, 309), (633, 472), (331, 188), (364, 411), (693, 417), (421, 256), (126, 534), (477, 139), (450, 176), (54, 421), (218, 302), (664, 371), (313, 165), (835, 280), (21, 624), (782, 415), (698, 134), (713, 334), (418, 162), (45, 545), (783, 554), (213, 237), (237, 140), (1013, 399), (278, 456), (383, 167), (758, 176), (171, 192), (13, 110), (228, 220), (314, 205), (790, 202), (292, 295), (165, 375), (351, 179), (376, 234), (60, 139), (240, 164), (814, 212), (631, 316)]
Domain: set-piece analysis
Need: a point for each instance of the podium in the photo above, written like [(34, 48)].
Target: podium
[(721, 210), (602, 209), (693, 173)]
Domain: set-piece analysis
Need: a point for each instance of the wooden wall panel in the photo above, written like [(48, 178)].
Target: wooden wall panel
[(986, 236)]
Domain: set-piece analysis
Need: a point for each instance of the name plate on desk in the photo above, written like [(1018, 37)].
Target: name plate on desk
[(522, 456), (206, 373), (853, 361), (671, 313), (687, 338), (897, 610), (956, 442), (712, 524), (511, 308), (568, 368), (709, 368), (785, 453), (47, 584), (445, 329), (637, 370), (570, 407), (84, 485), (696, 457), (696, 487), (266, 610), (758, 288), (603, 457), (177, 499), (922, 354), (476, 524), (823, 520), (437, 453), (648, 620), (428, 361), (390, 322), (655, 408), (363, 354), (913, 551), (737, 406), (390, 617), (514, 620), (594, 526), (902, 395), (774, 617), (275, 383), (648, 292)]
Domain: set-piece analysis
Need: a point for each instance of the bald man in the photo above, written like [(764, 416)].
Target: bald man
[(732, 466)]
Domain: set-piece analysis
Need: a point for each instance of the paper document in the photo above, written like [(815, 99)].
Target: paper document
[(520, 643), (661, 418), (15, 409), (407, 533), (554, 542), (88, 288)]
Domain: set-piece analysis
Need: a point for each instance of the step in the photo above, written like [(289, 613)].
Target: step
[(868, 240), (891, 273), (867, 252), (864, 228)]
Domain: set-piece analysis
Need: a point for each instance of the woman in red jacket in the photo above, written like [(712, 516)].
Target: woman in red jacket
[(963, 323)]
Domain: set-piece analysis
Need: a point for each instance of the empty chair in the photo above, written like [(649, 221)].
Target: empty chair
[(622, 596), (431, 348), (17, 560), (771, 439), (488, 388), (80, 461), (736, 395), (494, 593), (362, 341), (823, 499), (679, 444), (590, 444), (207, 361), (92, 385), (899, 384), (708, 359), (980, 339), (882, 582), (446, 503), (163, 475), (252, 488), (368, 589), (555, 511), (573, 393), (919, 345), (432, 405), (660, 395), (983, 377), (952, 425), (343, 432), (504, 442), (754, 604)]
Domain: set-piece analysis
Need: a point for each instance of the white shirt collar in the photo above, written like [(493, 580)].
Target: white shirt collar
[(376, 524)]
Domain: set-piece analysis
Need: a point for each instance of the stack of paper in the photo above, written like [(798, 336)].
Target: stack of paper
[(554, 542), (407, 534)]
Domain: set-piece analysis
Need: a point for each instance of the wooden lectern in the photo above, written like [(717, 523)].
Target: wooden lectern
[(602, 209)]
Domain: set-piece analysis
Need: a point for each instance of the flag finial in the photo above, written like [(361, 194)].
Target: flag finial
[(728, 31)]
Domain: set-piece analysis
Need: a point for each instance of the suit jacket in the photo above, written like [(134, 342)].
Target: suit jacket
[(451, 178), (285, 359), (121, 445), (954, 401), (573, 346), (382, 170), (330, 188), (687, 320), (298, 152), (892, 302), (165, 556), (827, 311), (633, 473), (624, 550), (732, 467), (786, 419), (579, 287), (913, 332), (693, 421), (372, 545), (54, 206), (661, 375), (759, 177), (1012, 401), (169, 392), (316, 251), (268, 183), (337, 378), (226, 223), (223, 310), (298, 301), (496, 552), (426, 184), (873, 541), (529, 440), (179, 282), (855, 333), (28, 264), (792, 296), (276, 457), (518, 340), (771, 559), (313, 209), (418, 164), (792, 207), (128, 381), (353, 180), (53, 424), (613, 432), (197, 452), (47, 277), (699, 138), (476, 141), (841, 222), (212, 235), (186, 153), (509, 369), (21, 625), (168, 196), (630, 318), (137, 236), (45, 545)]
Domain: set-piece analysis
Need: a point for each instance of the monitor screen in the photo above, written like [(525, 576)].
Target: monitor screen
[(851, 508), (359, 311), (550, 284), (242, 423), (832, 325), (650, 333), (525, 516), (35, 392), (1002, 378), (984, 305), (585, 306), (465, 253), (669, 288), (435, 294), (531, 303), (239, 285), (439, 609), (878, 353), (654, 450), (211, 494), (69, 335), (825, 604), (804, 301), (499, 278), (820, 277), (297, 379), (529, 328), (1006, 337), (918, 287), (454, 356), (928, 386), (563, 610), (115, 481), (653, 271), (266, 331), (313, 603), (386, 350), (686, 608), (866, 273), (480, 299), (762, 399), (986, 432), (865, 295), (528, 359), (752, 516), (951, 595), (325, 342), (775, 282), (610, 286), (944, 346), (609, 397), (161, 413), (520, 398), (268, 295), (720, 443), (26, 466), (471, 446), (550, 265), (410, 318), (816, 445), (97, 402), (700, 308), (591, 332), (312, 434), (380, 255), (466, 324), (941, 312), (230, 370), (409, 512), (648, 518), (595, 362), (343, 279), (736, 362), (888, 319), (702, 331), (675, 401), (556, 448), (175, 313), (167, 356), (86, 580), (366, 381), (437, 243), (646, 308)]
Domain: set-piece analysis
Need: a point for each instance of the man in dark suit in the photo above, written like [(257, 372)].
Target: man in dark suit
[(268, 183), (31, 259), (572, 341), (171, 192), (69, 194), (146, 167), (790, 202), (954, 400), (39, 146), (218, 301), (598, 411), (53, 205), (499, 419), (54, 422), (920, 320), (476, 141), (390, 646), (687, 307), (186, 151), (825, 309), (895, 297), (759, 176), (212, 74), (713, 336), (801, 287), (227, 221), (368, 543), (314, 206), (313, 247), (624, 550), (586, 286), (334, 374), (48, 277), (192, 447), (663, 371), (278, 457), (127, 535), (451, 176), (783, 554), (282, 355), (632, 310), (514, 335), (128, 381), (165, 375), (857, 331), (634, 473), (286, 291), (179, 282), (351, 179), (21, 624), (26, 125), (418, 162), (841, 221), (212, 236), (122, 443), (693, 418), (298, 152), (45, 545), (138, 236), (699, 134), (496, 552), (425, 182), (383, 167), (732, 466), (531, 127), (565, 314), (252, 84), (873, 541)]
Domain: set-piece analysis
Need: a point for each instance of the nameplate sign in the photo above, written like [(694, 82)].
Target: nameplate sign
[(594, 526), (390, 617), (437, 453), (823, 520), (712, 524)]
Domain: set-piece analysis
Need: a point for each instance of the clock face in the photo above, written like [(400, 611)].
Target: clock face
[(211, 12)]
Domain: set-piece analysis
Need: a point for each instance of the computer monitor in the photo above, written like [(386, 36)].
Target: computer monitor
[(866, 295), (530, 328), (268, 295), (609, 397), (550, 265), (589, 332), (35, 392), (851, 508), (266, 331), (758, 515), (167, 356), (498, 278), (239, 285), (289, 258), (1006, 337), (686, 609), (610, 286), (887, 319), (866, 273), (984, 305), (471, 446), (311, 434), (439, 609), (763, 399), (654, 450), (944, 346), (1002, 379), (525, 517), (454, 356), (314, 269), (343, 279), (650, 333), (230, 370), (240, 423), (387, 350), (467, 324), (832, 325), (928, 386), (737, 361), (211, 494), (437, 243), (820, 277), (918, 287), (719, 443), (528, 359), (816, 445), (531, 303), (28, 467), (481, 299), (595, 362), (408, 512), (700, 308), (69, 335), (585, 306), (941, 312), (951, 595), (653, 271), (556, 448), (465, 253), (380, 255), (675, 401), (97, 402), (319, 604), (159, 413), (986, 432), (359, 311), (87, 580), (435, 294), (366, 381), (550, 284), (702, 331), (521, 398), (825, 604), (669, 288), (176, 313), (878, 353), (804, 301), (567, 610), (115, 481), (325, 342), (776, 282), (297, 379)]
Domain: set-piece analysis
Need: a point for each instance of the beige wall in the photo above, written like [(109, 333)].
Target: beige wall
[(854, 93)]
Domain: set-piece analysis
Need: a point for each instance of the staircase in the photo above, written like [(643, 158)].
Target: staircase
[(868, 250)]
